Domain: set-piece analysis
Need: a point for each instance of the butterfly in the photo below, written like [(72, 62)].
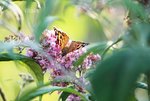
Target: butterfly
[(66, 44)]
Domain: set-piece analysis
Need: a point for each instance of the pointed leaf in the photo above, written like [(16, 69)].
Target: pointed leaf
[(64, 96), (47, 89), (32, 65)]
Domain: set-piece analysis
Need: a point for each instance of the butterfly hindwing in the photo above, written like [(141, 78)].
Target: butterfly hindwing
[(75, 45)]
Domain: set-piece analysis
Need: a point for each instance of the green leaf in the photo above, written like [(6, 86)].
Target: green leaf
[(64, 96), (32, 65), (136, 10), (15, 9), (29, 2), (115, 77), (96, 48), (46, 89), (43, 20)]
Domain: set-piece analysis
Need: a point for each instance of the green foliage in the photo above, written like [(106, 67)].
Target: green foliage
[(64, 96), (115, 77), (93, 48), (43, 19), (6, 4), (117, 74), (32, 65), (46, 89)]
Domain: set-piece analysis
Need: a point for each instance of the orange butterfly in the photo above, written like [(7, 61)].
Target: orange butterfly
[(66, 44)]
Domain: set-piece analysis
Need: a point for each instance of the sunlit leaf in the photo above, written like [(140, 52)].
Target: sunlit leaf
[(43, 21), (47, 89), (29, 2), (15, 9), (32, 65)]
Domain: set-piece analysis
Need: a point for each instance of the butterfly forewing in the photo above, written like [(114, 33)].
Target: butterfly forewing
[(62, 38)]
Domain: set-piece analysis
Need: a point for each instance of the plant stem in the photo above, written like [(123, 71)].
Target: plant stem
[(105, 51), (40, 98), (2, 95)]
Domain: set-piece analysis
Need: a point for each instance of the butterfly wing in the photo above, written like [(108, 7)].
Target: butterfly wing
[(62, 38), (75, 45)]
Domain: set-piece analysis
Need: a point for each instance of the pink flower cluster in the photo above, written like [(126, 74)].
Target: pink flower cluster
[(68, 60), (53, 60), (90, 60), (49, 46), (73, 97)]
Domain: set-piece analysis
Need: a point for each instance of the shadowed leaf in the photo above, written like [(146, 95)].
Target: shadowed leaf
[(115, 77)]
